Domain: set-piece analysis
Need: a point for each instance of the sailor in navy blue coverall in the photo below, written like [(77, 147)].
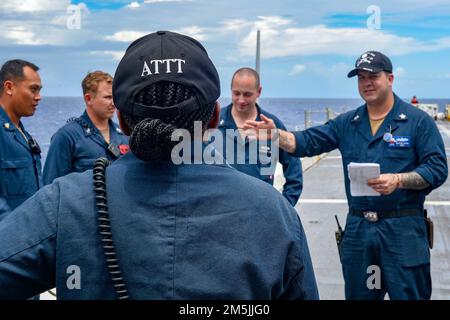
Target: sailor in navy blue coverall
[(168, 222), (387, 231), (178, 231), (245, 90), (20, 159), (76, 146)]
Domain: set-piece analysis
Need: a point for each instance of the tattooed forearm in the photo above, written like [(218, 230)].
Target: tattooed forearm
[(287, 141), (412, 180)]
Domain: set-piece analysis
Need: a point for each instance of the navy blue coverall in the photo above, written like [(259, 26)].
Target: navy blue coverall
[(179, 233), (76, 146), (398, 244), (20, 167)]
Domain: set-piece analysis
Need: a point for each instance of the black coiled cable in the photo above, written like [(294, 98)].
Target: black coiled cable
[(101, 201)]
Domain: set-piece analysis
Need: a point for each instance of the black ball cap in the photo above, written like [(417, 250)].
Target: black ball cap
[(165, 56), (372, 61)]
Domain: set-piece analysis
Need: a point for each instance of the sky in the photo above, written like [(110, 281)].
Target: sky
[(307, 46)]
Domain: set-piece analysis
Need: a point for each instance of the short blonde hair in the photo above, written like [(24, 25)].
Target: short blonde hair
[(92, 79)]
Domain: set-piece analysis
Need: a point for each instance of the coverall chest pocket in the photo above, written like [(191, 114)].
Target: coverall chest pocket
[(350, 154), (85, 164), (14, 176), (399, 153), (398, 160)]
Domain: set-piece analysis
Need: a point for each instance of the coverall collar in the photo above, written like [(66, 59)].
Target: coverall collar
[(94, 133), (112, 126), (8, 125), (228, 122), (361, 119), (92, 128), (6, 121)]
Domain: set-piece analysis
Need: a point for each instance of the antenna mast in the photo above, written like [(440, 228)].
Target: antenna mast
[(258, 52)]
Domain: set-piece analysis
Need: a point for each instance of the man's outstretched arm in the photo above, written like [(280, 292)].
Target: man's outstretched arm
[(266, 129)]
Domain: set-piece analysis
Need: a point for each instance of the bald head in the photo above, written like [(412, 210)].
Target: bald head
[(249, 72)]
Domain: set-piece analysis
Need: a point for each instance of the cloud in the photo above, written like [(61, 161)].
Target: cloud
[(130, 35), (45, 27), (126, 36), (194, 32), (16, 33), (326, 40), (280, 38), (116, 55), (297, 69), (160, 1), (333, 72), (442, 43), (21, 35), (269, 24), (29, 6), (133, 5), (232, 25)]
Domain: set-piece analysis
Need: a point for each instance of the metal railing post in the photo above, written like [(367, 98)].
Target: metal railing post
[(329, 113), (307, 119)]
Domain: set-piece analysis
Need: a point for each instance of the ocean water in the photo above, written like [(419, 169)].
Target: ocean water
[(53, 112)]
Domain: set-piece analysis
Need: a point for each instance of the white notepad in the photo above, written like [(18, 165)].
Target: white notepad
[(358, 174)]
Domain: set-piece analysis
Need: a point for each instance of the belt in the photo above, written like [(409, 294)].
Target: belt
[(374, 216)]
